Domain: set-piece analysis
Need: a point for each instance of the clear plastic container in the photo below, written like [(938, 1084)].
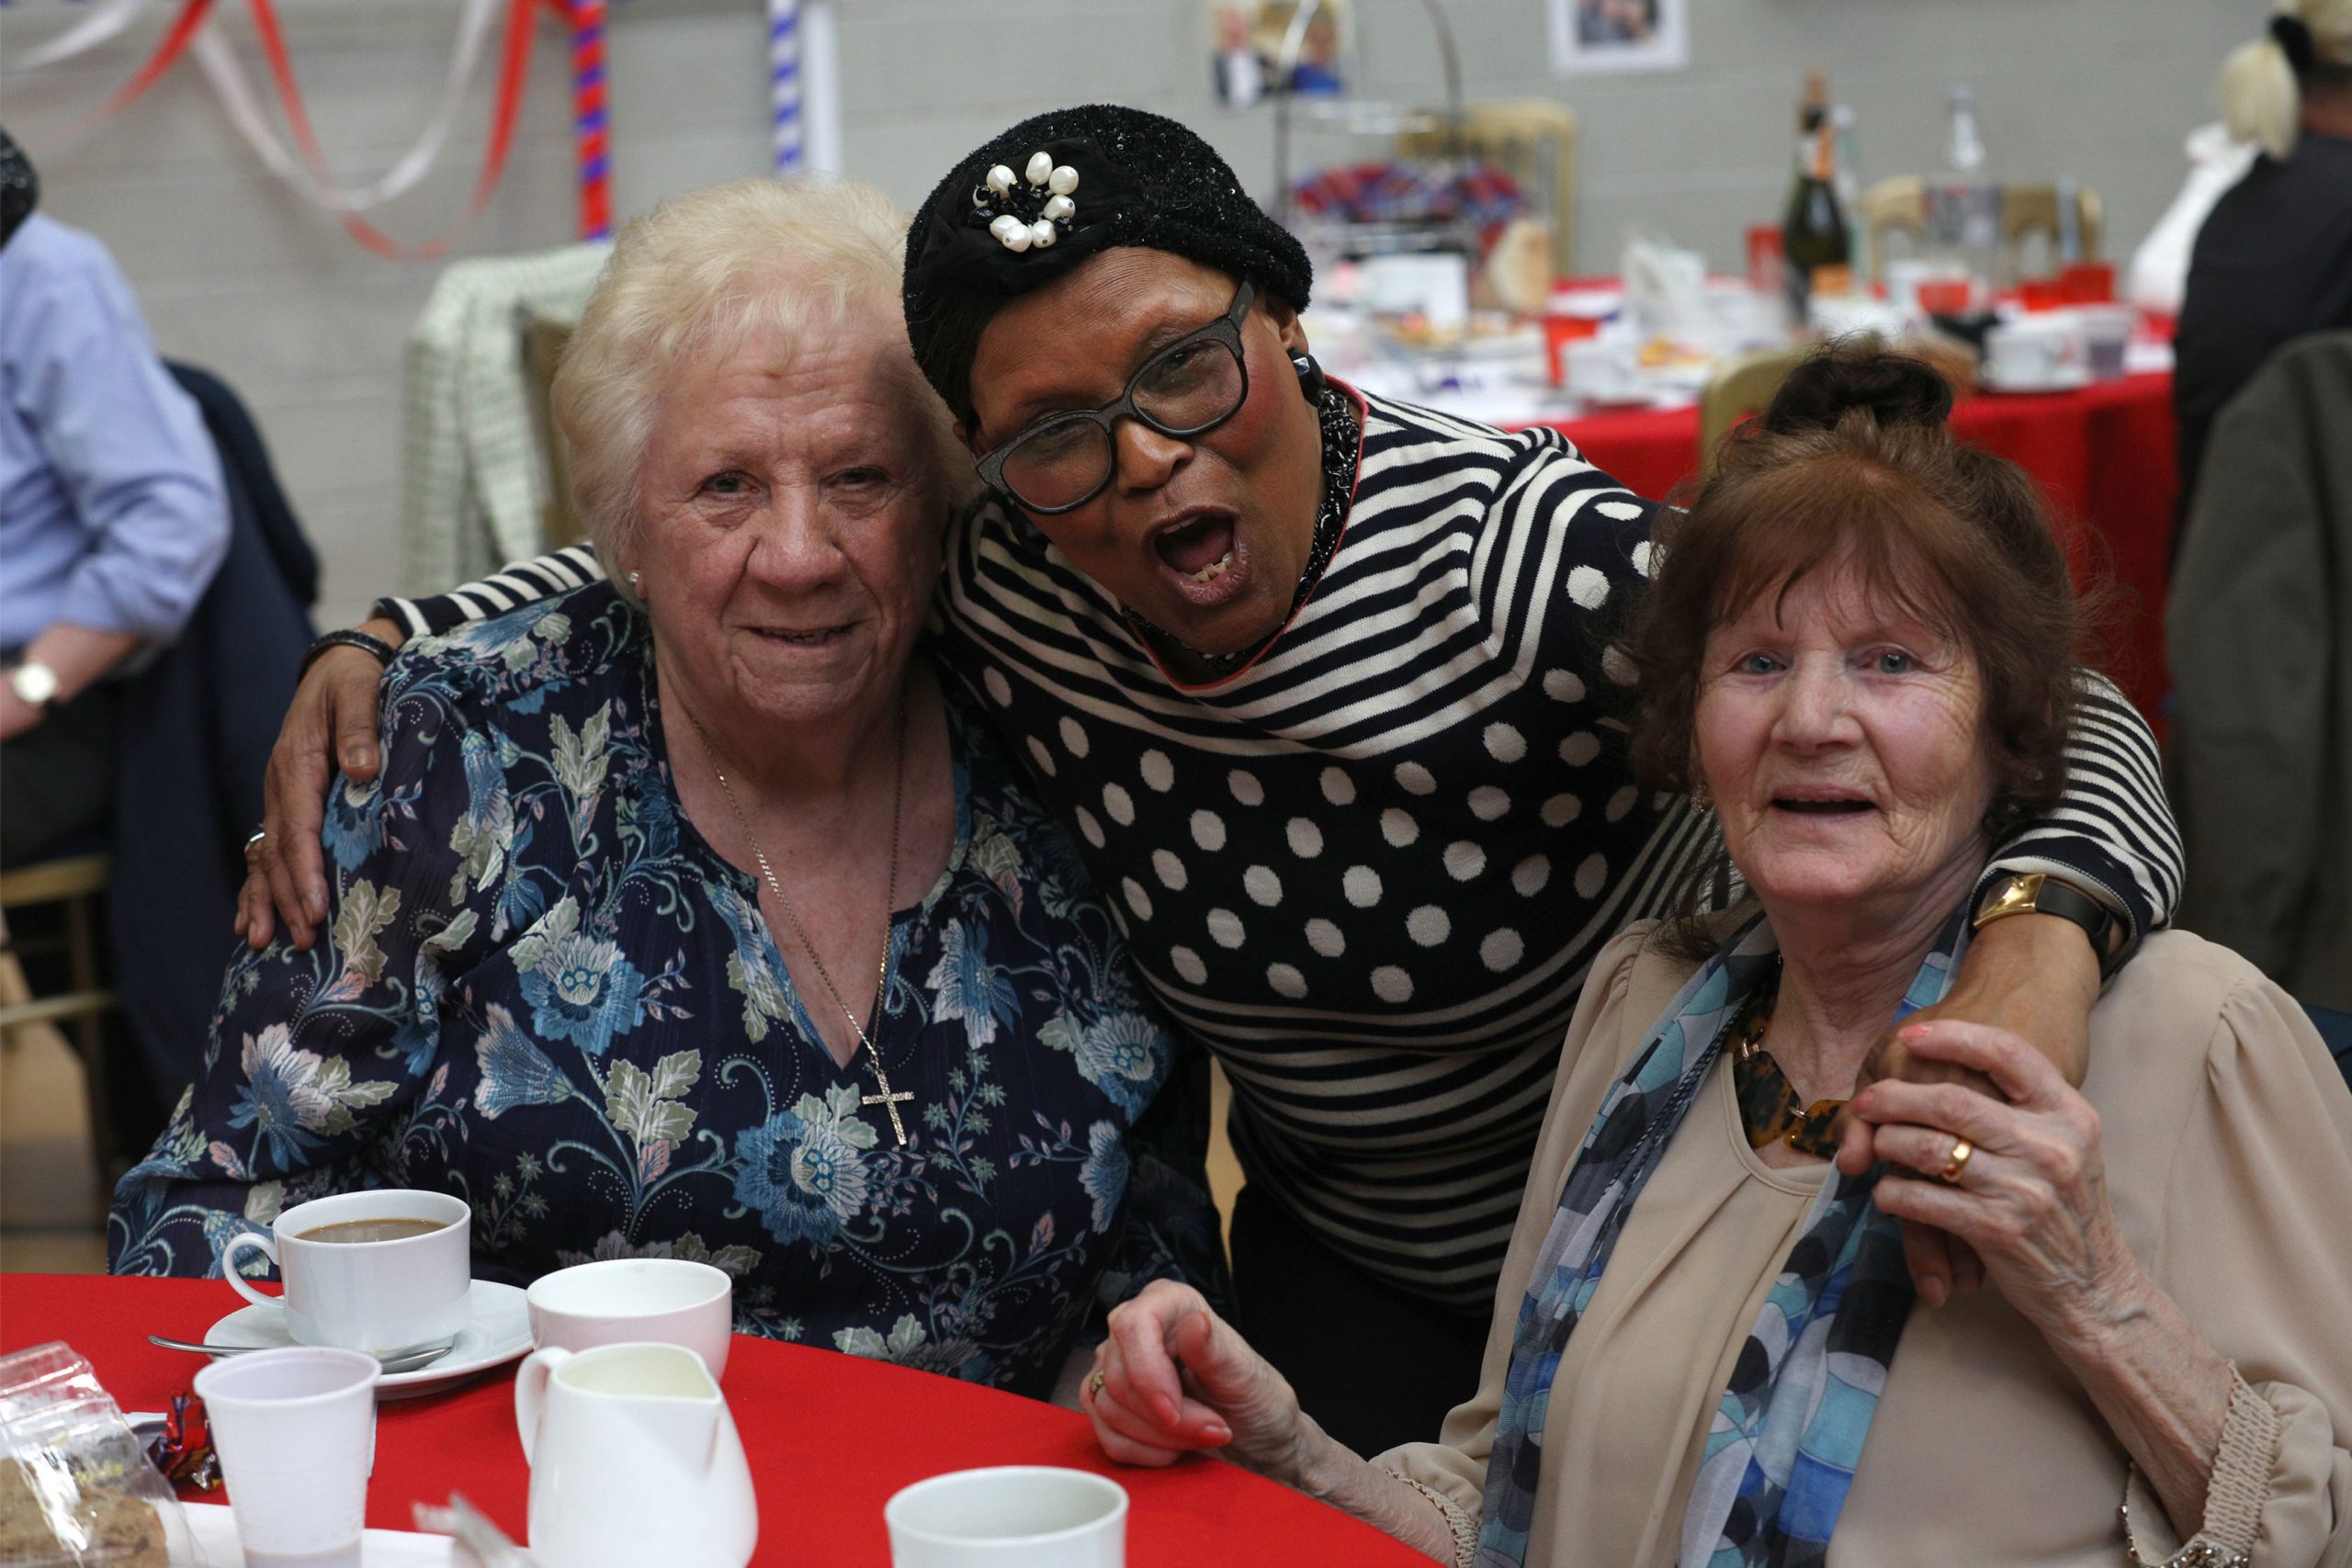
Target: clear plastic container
[(76, 1488)]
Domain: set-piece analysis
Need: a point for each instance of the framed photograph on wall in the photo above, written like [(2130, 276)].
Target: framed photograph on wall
[(1593, 37)]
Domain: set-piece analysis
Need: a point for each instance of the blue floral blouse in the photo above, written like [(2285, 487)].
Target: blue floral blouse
[(543, 991)]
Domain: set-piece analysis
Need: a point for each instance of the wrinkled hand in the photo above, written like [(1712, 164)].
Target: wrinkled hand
[(2032, 1197), (335, 712), (2031, 975), (1178, 1379)]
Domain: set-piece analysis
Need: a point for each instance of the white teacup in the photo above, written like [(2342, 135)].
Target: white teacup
[(2027, 353), (1018, 1516), (383, 1297), (632, 1300)]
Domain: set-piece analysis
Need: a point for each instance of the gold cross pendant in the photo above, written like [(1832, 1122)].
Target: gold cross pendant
[(889, 1101)]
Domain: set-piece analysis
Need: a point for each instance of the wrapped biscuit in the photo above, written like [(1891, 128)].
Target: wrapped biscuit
[(76, 1487)]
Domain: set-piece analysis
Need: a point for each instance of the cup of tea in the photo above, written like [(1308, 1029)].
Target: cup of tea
[(618, 1300), (1015, 1515), (383, 1273)]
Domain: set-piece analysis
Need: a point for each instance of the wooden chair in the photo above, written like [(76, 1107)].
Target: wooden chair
[(1899, 203), (1740, 385), (543, 342), (75, 882), (1902, 203), (2027, 209)]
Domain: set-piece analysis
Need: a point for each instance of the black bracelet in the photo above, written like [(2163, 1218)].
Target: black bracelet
[(375, 647)]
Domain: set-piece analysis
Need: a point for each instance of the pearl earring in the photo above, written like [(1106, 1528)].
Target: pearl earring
[(635, 578), (1701, 797)]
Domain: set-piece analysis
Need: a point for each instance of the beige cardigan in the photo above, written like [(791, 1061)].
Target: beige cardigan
[(2228, 1146)]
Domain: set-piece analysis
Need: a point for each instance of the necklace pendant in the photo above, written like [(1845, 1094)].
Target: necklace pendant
[(886, 1100)]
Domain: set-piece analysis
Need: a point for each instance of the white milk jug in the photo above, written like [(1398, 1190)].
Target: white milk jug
[(634, 1460)]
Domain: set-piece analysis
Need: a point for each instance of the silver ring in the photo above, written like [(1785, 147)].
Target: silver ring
[(257, 838)]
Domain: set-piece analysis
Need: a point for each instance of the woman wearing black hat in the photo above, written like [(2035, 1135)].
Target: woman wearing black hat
[(1319, 680)]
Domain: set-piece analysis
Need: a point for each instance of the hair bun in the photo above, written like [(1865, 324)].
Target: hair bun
[(1893, 389)]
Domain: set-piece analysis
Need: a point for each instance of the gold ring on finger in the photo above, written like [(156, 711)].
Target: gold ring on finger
[(1953, 1167), (1094, 1384)]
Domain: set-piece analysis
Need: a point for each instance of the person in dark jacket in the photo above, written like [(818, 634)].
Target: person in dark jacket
[(2274, 260)]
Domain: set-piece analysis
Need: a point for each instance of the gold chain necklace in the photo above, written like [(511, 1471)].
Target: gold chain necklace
[(886, 1100), (1769, 1107)]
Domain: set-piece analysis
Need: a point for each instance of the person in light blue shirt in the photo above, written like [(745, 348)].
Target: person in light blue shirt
[(113, 518)]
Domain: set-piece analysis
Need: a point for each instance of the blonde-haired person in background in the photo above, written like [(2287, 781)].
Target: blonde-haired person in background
[(2273, 259), (603, 933)]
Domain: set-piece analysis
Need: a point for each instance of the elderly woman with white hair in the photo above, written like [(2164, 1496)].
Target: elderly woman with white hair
[(693, 914)]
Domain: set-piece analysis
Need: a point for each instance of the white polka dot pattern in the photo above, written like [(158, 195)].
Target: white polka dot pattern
[(1306, 838), (1158, 773), (1397, 825), (1246, 787), (1464, 860), (1429, 925), (1263, 886)]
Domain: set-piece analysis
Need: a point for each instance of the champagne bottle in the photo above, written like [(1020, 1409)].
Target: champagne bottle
[(1814, 236)]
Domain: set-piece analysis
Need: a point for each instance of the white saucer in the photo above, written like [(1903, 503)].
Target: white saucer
[(2065, 378), (215, 1530), (499, 1332)]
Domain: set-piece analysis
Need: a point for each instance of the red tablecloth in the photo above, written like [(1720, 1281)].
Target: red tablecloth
[(2104, 455), (830, 1436)]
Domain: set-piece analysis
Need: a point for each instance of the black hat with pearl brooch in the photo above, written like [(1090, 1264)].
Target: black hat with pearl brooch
[(1059, 189)]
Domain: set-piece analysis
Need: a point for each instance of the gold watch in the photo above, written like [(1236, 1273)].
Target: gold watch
[(2034, 893)]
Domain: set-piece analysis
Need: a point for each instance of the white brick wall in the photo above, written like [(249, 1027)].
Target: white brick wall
[(238, 274)]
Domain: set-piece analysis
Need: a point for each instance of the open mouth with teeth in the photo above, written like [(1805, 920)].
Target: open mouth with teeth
[(1199, 549), (1806, 808), (816, 638)]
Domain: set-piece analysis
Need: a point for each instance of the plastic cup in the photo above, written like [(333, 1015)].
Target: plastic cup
[(295, 1433), (1559, 331), (2088, 283)]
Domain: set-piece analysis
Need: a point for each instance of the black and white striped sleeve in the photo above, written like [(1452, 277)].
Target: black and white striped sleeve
[(2112, 835), (506, 589)]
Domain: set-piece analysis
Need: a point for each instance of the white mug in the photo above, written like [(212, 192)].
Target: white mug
[(295, 1433), (634, 1460), (378, 1296), (1018, 1516), (670, 1301)]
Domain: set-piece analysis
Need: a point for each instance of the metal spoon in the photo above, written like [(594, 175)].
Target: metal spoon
[(399, 1361)]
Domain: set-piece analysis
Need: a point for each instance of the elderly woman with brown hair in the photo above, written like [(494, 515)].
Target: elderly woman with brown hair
[(693, 913), (1704, 1349)]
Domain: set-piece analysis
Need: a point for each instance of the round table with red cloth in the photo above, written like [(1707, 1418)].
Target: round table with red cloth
[(829, 1437), (2103, 454)]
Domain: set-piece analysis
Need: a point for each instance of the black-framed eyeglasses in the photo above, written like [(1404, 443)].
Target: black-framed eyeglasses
[(1190, 387)]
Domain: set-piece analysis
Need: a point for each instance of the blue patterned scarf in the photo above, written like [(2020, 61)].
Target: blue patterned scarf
[(1781, 1450)]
